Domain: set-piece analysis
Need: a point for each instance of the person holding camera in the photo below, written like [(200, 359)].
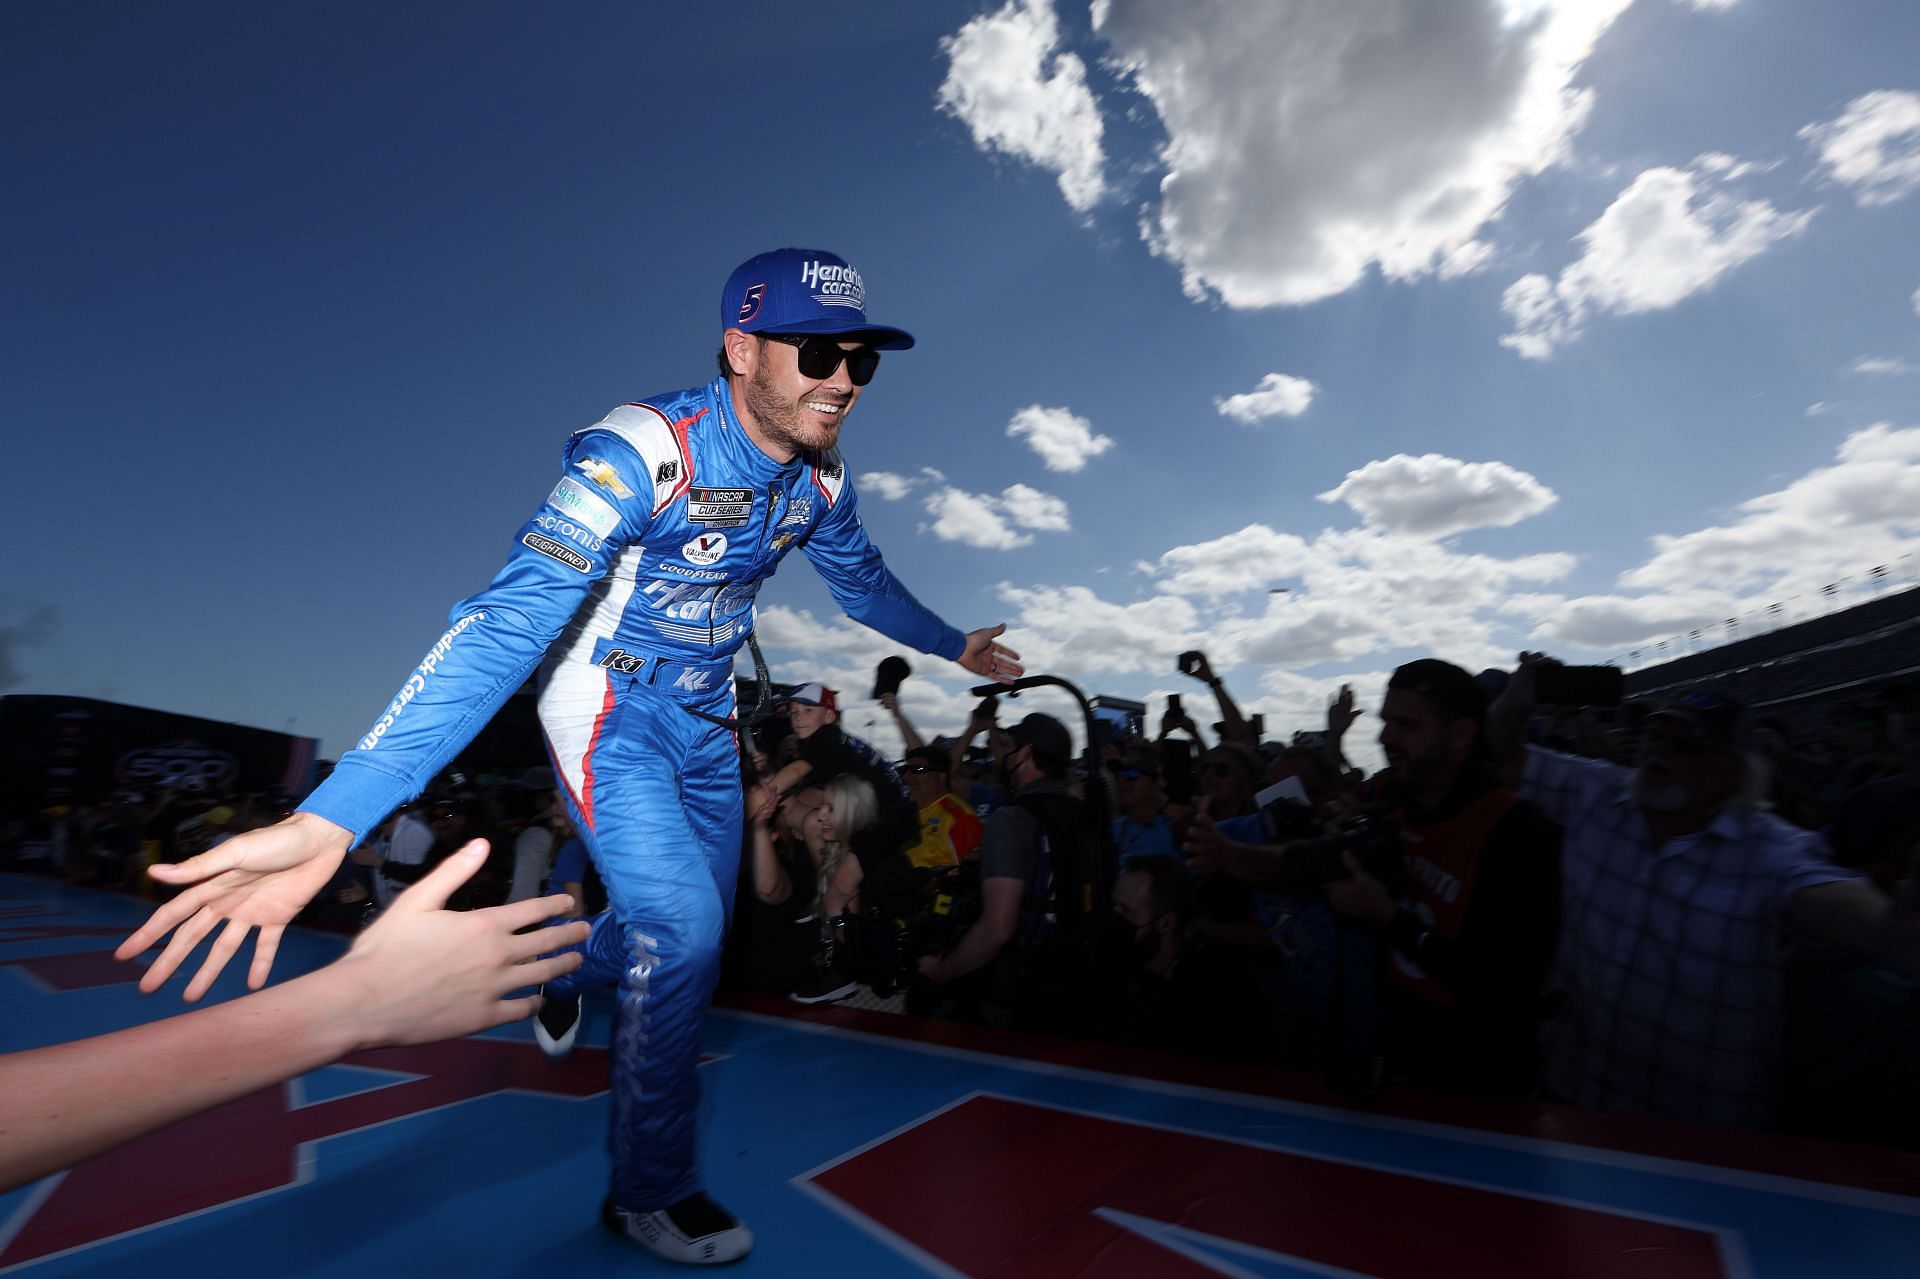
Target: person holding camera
[(1233, 726), (1461, 886), (1471, 937)]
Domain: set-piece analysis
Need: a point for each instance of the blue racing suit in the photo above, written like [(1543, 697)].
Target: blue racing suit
[(636, 580)]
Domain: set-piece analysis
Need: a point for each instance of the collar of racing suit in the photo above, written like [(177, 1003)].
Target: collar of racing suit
[(741, 452)]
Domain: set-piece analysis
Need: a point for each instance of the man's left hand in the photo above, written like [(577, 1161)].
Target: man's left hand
[(1360, 895), (926, 964), (984, 657)]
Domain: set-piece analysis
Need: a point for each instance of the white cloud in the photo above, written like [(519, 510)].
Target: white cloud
[(888, 485), (1881, 365), (1018, 95), (1670, 234), (1829, 526), (1030, 508), (1873, 147), (1436, 496), (1916, 301), (1277, 395), (778, 626), (1254, 558), (1835, 521), (1070, 627), (995, 523), (1616, 621), (1309, 142), (1349, 593), (1819, 408), (1063, 441)]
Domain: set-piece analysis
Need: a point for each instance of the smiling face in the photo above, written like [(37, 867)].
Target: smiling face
[(784, 411)]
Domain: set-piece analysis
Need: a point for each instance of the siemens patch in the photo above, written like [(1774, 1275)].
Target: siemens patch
[(583, 506)]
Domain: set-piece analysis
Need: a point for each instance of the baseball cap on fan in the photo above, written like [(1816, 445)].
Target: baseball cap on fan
[(803, 291), (815, 694)]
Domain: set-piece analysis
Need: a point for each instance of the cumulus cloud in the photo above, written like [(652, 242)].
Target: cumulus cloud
[(1873, 146), (1063, 441), (1436, 496), (1348, 593), (1615, 621), (1019, 94), (1830, 523), (1277, 395), (1881, 365), (1030, 508), (886, 484), (1070, 627), (1254, 558), (995, 523), (1307, 143), (1670, 234)]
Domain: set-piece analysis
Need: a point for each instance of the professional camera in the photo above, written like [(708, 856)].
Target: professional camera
[(1314, 852), (885, 949)]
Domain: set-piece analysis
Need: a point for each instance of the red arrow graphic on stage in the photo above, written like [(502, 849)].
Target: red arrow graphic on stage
[(1073, 1194)]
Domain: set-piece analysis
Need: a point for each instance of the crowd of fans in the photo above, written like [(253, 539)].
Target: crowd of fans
[(1667, 906)]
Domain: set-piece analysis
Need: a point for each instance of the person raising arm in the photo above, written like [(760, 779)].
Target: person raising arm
[(419, 974)]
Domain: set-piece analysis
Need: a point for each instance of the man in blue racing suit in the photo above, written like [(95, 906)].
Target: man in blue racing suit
[(635, 580)]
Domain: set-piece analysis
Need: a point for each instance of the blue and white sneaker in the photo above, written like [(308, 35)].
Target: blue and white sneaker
[(557, 1024), (694, 1232)]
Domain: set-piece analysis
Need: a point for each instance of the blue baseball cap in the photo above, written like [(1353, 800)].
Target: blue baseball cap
[(803, 291)]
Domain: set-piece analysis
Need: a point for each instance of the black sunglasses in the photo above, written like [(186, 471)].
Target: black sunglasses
[(820, 356), (920, 768)]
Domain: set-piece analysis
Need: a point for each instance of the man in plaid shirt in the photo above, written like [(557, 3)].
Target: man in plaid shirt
[(1679, 892)]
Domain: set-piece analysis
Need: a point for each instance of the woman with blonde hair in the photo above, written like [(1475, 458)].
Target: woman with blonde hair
[(832, 831)]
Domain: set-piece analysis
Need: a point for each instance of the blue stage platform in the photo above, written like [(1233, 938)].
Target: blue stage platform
[(865, 1144)]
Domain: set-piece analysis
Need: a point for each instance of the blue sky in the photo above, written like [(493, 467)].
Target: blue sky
[(1477, 326)]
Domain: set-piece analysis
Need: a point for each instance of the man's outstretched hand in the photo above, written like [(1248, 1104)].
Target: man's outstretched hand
[(984, 657), (258, 879)]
